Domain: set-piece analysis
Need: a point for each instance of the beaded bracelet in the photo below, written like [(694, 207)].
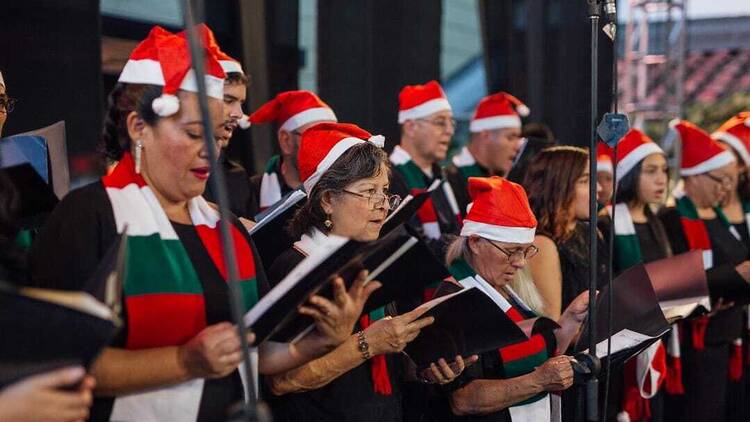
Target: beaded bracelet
[(364, 348)]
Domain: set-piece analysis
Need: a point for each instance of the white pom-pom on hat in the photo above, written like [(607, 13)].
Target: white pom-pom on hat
[(378, 140), (522, 110), (244, 122), (166, 105)]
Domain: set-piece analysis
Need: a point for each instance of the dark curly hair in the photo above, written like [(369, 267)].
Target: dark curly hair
[(359, 162), (124, 99)]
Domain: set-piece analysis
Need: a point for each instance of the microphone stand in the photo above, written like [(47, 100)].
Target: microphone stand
[(249, 411), (592, 383)]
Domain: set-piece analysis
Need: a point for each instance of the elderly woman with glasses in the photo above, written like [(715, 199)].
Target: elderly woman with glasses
[(512, 383), (345, 172)]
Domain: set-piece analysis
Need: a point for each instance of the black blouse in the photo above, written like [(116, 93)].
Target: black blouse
[(68, 250), (349, 397), (575, 264), (651, 250)]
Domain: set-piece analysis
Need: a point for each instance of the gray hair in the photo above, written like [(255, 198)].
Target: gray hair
[(522, 284)]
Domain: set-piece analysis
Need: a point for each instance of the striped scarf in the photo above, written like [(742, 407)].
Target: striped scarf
[(381, 381), (645, 374), (427, 215), (697, 237), (416, 183), (270, 184), (517, 359), (467, 165), (162, 292)]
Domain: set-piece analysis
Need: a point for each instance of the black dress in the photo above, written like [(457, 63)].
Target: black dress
[(350, 397), (574, 267), (68, 250), (705, 372)]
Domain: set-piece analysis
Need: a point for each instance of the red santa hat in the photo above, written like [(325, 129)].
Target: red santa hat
[(418, 101), (293, 109), (228, 63), (163, 59), (604, 158), (500, 211), (321, 145), (700, 153), (498, 111), (735, 132), (632, 148)]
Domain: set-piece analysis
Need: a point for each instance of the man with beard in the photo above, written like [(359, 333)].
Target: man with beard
[(495, 142), (235, 93), (293, 112)]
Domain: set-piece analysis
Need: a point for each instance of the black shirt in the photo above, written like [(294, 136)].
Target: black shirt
[(350, 397), (650, 247), (723, 279), (239, 191)]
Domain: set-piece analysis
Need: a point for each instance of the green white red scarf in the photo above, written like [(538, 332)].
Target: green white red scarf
[(416, 183), (162, 292), (467, 165), (381, 381), (270, 184), (517, 359), (645, 374), (697, 237)]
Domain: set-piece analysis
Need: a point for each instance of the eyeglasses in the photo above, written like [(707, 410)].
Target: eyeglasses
[(517, 255), (722, 180), (7, 104), (377, 200), (441, 123)]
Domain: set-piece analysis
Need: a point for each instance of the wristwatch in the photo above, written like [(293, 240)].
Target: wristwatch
[(363, 347)]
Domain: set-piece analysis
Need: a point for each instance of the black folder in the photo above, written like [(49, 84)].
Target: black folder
[(467, 322), (45, 329), (637, 320), (389, 260), (408, 208), (269, 233)]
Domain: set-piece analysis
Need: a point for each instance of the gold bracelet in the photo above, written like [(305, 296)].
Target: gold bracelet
[(364, 348)]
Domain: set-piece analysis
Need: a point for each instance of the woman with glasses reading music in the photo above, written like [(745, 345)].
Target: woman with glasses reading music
[(697, 222), (496, 242), (345, 172)]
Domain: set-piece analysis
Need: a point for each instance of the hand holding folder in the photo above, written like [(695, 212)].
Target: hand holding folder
[(43, 330)]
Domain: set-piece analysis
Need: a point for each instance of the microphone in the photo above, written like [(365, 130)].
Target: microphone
[(610, 9)]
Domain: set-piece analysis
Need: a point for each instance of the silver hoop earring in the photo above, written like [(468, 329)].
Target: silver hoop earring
[(138, 153)]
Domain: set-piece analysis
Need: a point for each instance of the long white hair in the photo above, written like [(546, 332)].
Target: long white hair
[(522, 284)]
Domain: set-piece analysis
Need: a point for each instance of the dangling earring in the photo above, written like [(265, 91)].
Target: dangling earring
[(328, 223), (138, 151)]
